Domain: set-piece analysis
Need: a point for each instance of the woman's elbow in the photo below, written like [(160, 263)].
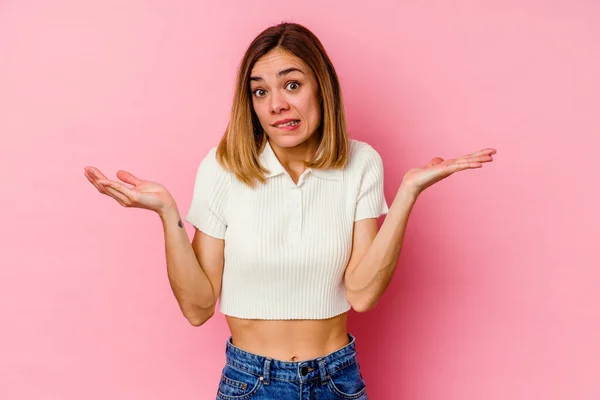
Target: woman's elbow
[(363, 306), (198, 319)]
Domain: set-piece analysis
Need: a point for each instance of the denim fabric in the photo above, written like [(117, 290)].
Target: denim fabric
[(250, 376)]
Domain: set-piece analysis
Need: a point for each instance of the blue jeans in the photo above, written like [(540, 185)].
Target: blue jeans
[(250, 376)]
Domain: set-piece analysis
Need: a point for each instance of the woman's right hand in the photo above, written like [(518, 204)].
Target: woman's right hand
[(144, 194)]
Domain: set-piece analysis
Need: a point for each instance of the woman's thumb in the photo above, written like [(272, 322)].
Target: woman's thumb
[(128, 178), (435, 161)]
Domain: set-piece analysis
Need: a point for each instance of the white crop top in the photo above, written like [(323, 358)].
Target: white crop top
[(287, 245)]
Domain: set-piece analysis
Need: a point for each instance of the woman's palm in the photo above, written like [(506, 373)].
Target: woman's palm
[(141, 194)]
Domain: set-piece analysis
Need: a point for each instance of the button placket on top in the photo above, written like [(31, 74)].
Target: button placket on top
[(296, 206), (296, 212)]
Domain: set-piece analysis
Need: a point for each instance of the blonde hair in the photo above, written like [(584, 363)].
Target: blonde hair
[(244, 138)]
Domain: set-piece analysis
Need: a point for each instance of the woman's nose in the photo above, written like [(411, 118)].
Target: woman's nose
[(277, 104)]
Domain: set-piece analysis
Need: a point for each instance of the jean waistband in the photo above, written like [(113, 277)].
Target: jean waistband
[(296, 371)]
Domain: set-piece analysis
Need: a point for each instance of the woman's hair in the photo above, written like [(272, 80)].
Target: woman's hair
[(244, 138)]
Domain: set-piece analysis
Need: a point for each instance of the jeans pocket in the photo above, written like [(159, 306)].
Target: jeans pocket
[(348, 382), (237, 384)]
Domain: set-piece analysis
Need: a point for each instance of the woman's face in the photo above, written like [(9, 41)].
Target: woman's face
[(285, 97)]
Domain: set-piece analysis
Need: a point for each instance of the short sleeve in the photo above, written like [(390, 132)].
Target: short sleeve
[(371, 201), (209, 199)]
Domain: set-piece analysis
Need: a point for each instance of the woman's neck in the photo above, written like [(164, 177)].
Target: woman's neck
[(293, 158)]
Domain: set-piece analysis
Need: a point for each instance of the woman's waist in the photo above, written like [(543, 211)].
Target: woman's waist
[(289, 340)]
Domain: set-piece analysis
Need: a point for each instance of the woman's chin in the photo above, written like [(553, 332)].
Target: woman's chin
[(290, 139)]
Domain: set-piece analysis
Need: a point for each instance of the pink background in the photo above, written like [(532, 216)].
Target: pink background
[(497, 291)]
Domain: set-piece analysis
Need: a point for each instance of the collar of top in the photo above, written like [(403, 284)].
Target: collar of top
[(269, 160)]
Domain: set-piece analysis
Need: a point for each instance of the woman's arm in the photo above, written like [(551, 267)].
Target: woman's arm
[(190, 281), (375, 254)]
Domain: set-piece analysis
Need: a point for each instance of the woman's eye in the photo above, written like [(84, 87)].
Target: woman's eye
[(293, 85), (259, 92)]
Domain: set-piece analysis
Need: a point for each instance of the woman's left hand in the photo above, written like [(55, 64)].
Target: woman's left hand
[(418, 179)]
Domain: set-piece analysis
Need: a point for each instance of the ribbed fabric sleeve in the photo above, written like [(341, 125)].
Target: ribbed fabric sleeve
[(371, 200), (210, 197)]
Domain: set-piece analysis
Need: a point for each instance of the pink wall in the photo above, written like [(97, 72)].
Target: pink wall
[(496, 295)]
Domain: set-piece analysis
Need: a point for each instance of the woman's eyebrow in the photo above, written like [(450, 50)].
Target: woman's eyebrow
[(279, 74)]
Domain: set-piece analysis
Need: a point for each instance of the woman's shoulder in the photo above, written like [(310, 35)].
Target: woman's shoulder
[(210, 162), (210, 157), (210, 172), (361, 154)]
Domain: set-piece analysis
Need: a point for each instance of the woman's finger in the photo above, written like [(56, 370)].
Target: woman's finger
[(96, 173), (462, 165), (119, 197), (128, 177), (100, 184), (486, 152), (92, 181), (119, 187), (109, 191), (479, 159), (435, 161)]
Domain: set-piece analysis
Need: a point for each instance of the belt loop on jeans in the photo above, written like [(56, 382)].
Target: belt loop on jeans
[(323, 371), (266, 378)]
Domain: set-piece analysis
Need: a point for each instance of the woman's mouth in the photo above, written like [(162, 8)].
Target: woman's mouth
[(289, 126)]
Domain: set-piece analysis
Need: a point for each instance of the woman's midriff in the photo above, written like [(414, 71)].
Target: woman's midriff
[(289, 340)]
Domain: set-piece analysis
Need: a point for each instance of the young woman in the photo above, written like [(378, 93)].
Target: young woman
[(285, 211)]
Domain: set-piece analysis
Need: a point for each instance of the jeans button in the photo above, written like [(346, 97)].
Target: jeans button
[(304, 371)]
